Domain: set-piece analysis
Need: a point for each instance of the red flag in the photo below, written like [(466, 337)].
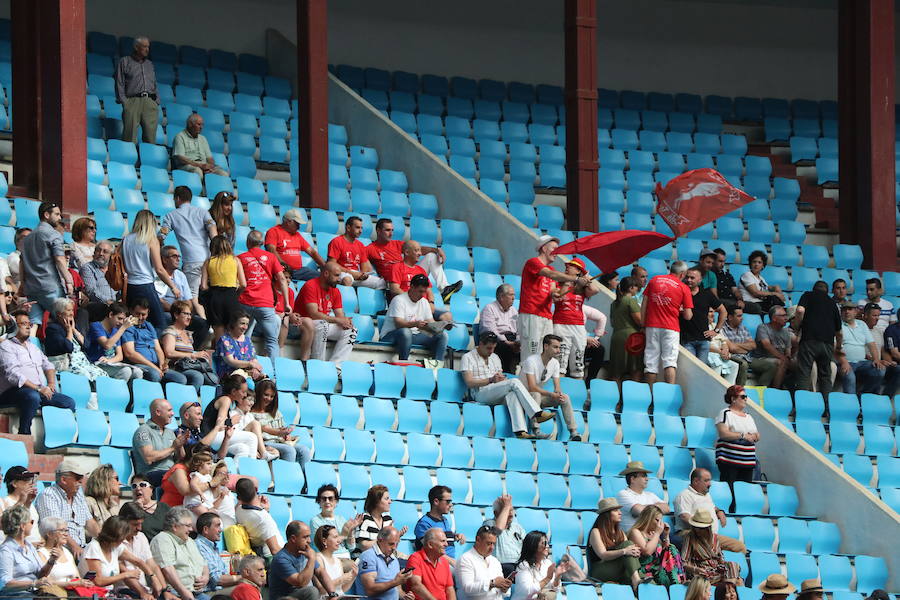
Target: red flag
[(613, 249), (697, 197)]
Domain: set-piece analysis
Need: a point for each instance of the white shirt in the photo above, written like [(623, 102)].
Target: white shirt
[(65, 569), (474, 574), (473, 363), (140, 547), (533, 365), (748, 279), (737, 424), (690, 501), (528, 579), (259, 524), (35, 537), (401, 306), (108, 568), (628, 498)]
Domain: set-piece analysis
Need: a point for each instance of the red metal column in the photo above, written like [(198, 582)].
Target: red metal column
[(866, 100), (49, 110), (312, 76), (581, 114)]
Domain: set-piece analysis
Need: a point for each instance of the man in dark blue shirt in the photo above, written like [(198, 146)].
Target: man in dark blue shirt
[(440, 500), (141, 348), (294, 566)]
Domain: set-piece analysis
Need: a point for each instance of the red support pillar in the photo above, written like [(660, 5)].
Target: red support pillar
[(312, 76), (581, 114), (866, 101), (49, 110)]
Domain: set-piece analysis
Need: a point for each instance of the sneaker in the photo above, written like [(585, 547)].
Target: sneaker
[(431, 363), (270, 456), (575, 438), (540, 435), (451, 289), (524, 435), (544, 415)]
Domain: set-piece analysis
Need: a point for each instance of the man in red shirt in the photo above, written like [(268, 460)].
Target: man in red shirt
[(264, 273), (350, 254), (286, 243), (321, 301), (386, 251), (536, 295), (666, 298), (253, 573), (401, 274), (431, 566), (568, 318)]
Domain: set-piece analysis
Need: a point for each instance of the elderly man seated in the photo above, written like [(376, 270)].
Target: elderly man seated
[(190, 149)]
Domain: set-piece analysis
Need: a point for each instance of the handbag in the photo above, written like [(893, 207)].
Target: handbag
[(192, 364), (116, 275)]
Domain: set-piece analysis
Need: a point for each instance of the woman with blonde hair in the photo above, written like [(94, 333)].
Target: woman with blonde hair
[(102, 493), (221, 278), (84, 236), (140, 253), (659, 558), (222, 212), (699, 589)]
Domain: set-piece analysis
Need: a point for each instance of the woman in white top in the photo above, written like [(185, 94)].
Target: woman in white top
[(738, 436), (231, 411), (759, 296), (328, 541), (64, 573), (535, 572), (102, 556), (20, 489), (140, 252), (84, 238)]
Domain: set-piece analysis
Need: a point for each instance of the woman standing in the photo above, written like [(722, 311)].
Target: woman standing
[(234, 350), (20, 489), (178, 345), (625, 314), (610, 556), (102, 556), (659, 558), (140, 252), (222, 212), (229, 415), (271, 421), (63, 343), (738, 435), (701, 553), (154, 511), (221, 277), (535, 572), (328, 541), (759, 296), (102, 493), (84, 236), (27, 570)]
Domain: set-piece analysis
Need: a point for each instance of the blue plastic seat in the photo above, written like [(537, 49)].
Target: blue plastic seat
[(835, 572)]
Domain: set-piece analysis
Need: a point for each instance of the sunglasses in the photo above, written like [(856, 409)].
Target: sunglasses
[(744, 396), (142, 484)]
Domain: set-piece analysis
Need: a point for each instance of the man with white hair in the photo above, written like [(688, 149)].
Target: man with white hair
[(433, 567), (191, 151), (65, 500), (499, 317), (253, 577), (177, 555), (509, 541), (136, 91), (380, 576), (97, 288)]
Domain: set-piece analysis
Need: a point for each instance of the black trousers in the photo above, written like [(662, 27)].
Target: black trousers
[(820, 353), (730, 473), (508, 356)]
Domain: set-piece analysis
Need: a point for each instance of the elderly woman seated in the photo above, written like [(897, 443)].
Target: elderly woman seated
[(63, 342), (20, 566), (64, 573)]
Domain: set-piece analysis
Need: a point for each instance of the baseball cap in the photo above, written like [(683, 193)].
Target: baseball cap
[(70, 465), (418, 280), (294, 215), (18, 474), (707, 252), (488, 337), (544, 240)]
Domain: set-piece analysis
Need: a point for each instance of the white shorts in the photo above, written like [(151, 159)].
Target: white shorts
[(661, 349), (531, 330)]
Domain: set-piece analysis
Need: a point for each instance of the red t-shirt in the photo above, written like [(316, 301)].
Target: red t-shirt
[(535, 296), (312, 292), (567, 310), (279, 300), (382, 256), (246, 591), (665, 295), (260, 269), (289, 246), (402, 274), (349, 255), (435, 578)]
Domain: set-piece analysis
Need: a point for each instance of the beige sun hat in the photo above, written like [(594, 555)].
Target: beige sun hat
[(776, 584), (606, 505), (701, 518), (634, 466)]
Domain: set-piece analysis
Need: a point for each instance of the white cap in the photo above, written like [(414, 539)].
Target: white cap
[(544, 240), (294, 215)]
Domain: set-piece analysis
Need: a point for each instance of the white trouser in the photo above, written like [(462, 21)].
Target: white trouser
[(192, 273), (532, 329), (432, 265), (571, 352), (343, 341), (565, 407), (242, 443), (519, 403), (372, 281)]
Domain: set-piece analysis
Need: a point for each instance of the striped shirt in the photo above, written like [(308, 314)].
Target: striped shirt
[(368, 530), (478, 367), (736, 452)]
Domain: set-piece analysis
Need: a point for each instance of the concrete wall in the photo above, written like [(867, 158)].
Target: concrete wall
[(823, 488)]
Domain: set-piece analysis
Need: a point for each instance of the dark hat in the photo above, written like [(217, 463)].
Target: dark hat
[(418, 280), (848, 304), (18, 474), (878, 594), (707, 252), (488, 337)]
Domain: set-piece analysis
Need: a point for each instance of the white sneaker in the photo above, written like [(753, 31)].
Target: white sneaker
[(270, 456)]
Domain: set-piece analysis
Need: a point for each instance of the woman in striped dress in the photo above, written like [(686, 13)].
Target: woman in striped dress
[(738, 436)]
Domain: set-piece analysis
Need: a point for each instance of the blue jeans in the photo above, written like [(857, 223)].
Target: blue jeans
[(292, 452), (305, 273), (269, 327), (147, 290), (43, 301), (863, 377), (403, 339), (28, 401), (699, 348), (192, 377), (169, 376)]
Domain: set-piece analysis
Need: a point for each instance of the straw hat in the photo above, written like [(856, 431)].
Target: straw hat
[(701, 518), (634, 466), (606, 505), (776, 584), (811, 586)]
